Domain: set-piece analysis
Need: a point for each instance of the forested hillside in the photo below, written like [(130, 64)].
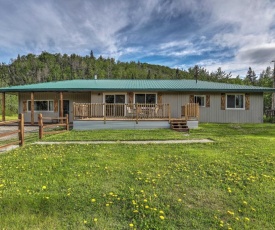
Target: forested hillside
[(46, 67)]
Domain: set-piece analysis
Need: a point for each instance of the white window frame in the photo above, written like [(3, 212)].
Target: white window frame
[(236, 94), (145, 97), (104, 95), (48, 102), (204, 99)]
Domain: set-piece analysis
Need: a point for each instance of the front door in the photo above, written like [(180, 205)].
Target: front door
[(66, 107), (118, 108)]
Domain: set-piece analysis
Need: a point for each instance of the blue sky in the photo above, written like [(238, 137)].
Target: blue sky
[(233, 35)]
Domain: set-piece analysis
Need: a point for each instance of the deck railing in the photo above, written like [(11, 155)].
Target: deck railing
[(116, 111), (190, 111)]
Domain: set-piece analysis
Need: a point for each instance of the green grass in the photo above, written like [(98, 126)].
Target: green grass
[(114, 135), (228, 184), (11, 117)]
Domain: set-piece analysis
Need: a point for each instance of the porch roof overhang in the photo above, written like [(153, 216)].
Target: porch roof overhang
[(118, 85)]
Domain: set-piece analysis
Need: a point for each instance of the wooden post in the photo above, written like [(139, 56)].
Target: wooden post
[(169, 113), (67, 122), (61, 107), (186, 112), (3, 107), (74, 111), (104, 108), (137, 111), (32, 108), (40, 123), (21, 128)]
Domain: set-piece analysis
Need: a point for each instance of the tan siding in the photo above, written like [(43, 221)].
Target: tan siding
[(96, 98), (72, 97), (176, 100), (215, 114)]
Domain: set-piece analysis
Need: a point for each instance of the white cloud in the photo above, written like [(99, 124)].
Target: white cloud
[(220, 33)]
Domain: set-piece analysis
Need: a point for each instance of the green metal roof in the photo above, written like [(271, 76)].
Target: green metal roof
[(134, 85)]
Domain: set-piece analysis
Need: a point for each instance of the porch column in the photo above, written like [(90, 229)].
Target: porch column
[(32, 108), (61, 106), (3, 106)]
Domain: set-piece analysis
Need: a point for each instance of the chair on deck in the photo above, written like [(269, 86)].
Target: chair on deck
[(156, 111), (130, 111)]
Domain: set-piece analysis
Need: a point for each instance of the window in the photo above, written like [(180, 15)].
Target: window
[(145, 98), (200, 99), (234, 101), (41, 106), (114, 98)]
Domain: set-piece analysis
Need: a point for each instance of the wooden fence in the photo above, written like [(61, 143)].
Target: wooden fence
[(270, 113), (52, 127), (19, 131)]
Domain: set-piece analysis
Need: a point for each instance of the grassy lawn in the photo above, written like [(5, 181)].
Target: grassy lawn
[(228, 184)]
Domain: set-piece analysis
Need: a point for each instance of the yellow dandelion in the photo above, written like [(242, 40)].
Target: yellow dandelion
[(135, 211), (161, 212), (179, 200), (95, 219), (145, 200), (161, 217), (107, 205), (85, 221), (44, 187), (146, 206), (244, 202), (230, 213), (131, 225), (93, 200), (246, 219)]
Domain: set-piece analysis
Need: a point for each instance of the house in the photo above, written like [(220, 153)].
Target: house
[(140, 103)]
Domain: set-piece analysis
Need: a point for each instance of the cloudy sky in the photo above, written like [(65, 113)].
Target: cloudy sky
[(231, 34)]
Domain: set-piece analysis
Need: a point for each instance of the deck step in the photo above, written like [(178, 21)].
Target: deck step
[(179, 125)]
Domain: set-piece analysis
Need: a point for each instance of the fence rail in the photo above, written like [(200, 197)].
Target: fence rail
[(270, 113), (43, 127), (190, 111), (117, 111), (19, 131)]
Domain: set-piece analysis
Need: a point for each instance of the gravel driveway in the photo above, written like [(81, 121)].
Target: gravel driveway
[(9, 128)]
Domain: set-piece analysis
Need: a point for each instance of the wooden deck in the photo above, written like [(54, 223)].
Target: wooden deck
[(89, 116)]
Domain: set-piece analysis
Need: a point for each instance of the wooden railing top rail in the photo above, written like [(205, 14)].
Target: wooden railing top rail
[(129, 111), (54, 118), (9, 122)]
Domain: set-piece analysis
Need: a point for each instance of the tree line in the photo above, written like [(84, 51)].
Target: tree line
[(46, 67)]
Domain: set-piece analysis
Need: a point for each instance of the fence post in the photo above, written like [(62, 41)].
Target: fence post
[(186, 112), (169, 113), (67, 122), (137, 111), (21, 128), (40, 123), (104, 106)]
